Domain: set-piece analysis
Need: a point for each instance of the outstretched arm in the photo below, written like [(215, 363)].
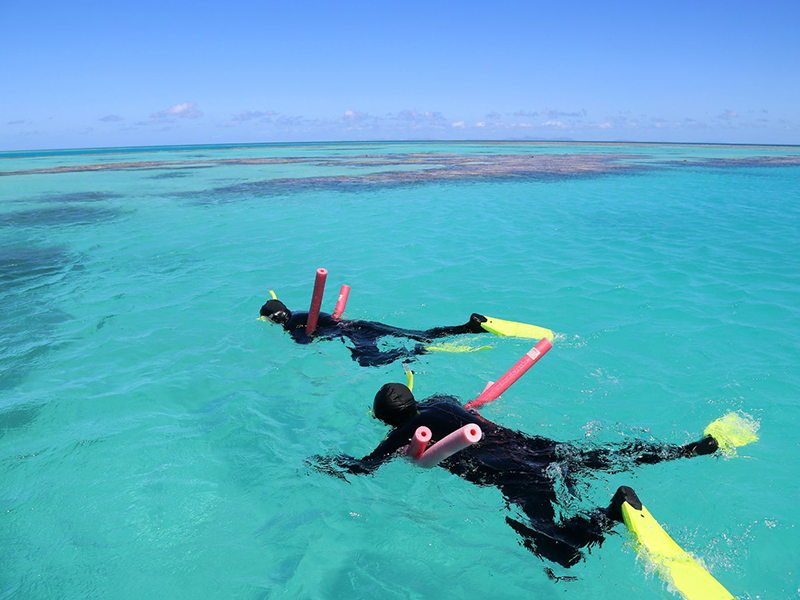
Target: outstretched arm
[(339, 464)]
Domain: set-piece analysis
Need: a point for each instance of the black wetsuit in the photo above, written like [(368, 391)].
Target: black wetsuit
[(524, 468), (364, 336)]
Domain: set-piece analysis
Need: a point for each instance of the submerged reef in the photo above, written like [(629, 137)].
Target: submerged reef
[(429, 165), (431, 168), (66, 214), (789, 160), (27, 314), (79, 197), (23, 264)]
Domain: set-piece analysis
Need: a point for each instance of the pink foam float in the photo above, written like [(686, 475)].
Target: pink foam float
[(530, 358), (316, 301), (449, 445), (341, 302), (418, 443)]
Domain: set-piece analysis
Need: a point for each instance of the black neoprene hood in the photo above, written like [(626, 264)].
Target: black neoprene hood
[(276, 311), (394, 404)]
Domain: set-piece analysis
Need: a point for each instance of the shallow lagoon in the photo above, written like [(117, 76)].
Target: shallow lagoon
[(153, 434)]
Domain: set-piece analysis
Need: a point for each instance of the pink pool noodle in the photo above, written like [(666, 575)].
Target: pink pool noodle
[(514, 373), (421, 438), (316, 301), (449, 445), (488, 385), (341, 302)]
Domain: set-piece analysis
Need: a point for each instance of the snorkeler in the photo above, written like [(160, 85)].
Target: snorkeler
[(522, 467), (364, 335)]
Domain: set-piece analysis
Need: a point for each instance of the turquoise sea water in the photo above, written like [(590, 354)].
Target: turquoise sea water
[(153, 433)]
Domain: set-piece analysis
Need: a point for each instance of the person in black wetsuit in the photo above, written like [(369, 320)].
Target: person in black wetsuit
[(363, 335), (521, 466)]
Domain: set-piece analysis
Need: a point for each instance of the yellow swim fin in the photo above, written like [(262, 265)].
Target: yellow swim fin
[(453, 347), (514, 329), (674, 564), (732, 431)]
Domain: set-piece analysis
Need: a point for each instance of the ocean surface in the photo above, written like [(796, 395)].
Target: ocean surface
[(154, 434)]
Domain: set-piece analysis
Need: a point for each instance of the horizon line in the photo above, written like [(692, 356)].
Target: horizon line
[(243, 145)]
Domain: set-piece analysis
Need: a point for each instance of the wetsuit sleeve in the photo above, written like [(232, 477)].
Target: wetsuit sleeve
[(327, 327), (372, 461)]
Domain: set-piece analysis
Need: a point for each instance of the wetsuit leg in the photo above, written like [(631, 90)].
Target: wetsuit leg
[(471, 326), (364, 331), (424, 335), (620, 458), (562, 543)]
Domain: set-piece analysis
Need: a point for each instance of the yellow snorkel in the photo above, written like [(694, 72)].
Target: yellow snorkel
[(410, 378)]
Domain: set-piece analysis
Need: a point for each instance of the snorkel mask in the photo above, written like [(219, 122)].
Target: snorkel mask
[(274, 310)]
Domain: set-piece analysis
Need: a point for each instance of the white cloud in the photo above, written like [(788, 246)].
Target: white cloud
[(250, 115), (111, 119), (552, 123), (605, 125), (355, 120), (459, 124), (622, 121), (693, 123), (728, 115), (416, 119), (480, 124), (184, 110), (551, 113)]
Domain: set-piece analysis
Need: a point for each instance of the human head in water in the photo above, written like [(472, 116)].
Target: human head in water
[(394, 404), (276, 311)]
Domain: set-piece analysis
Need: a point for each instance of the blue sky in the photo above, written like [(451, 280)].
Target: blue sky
[(88, 74)]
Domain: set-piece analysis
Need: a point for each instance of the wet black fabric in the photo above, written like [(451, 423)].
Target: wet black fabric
[(363, 337), (394, 404), (272, 306), (523, 468)]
